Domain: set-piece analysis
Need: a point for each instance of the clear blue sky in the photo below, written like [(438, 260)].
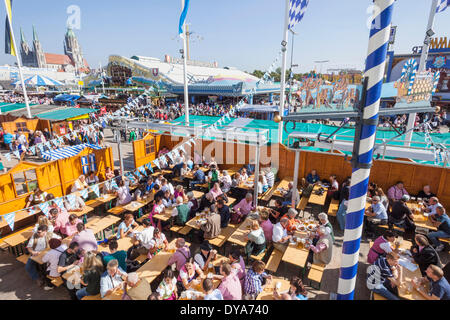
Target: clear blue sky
[(242, 33)]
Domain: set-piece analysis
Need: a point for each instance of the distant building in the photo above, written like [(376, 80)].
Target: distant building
[(71, 61)]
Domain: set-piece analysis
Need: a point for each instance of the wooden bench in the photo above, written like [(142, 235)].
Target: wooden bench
[(116, 211), (23, 258), (302, 204), (141, 259), (385, 226), (56, 281), (274, 260), (446, 240), (184, 230), (334, 207), (96, 297), (376, 296), (223, 236), (269, 192), (16, 238), (315, 274), (260, 256)]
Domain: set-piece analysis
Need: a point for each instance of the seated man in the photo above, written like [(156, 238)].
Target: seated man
[(291, 195), (440, 288), (376, 214), (253, 282), (211, 228), (143, 238), (425, 193), (396, 192), (69, 258), (112, 279), (384, 276), (322, 252), (313, 177), (278, 211), (85, 238), (224, 211), (135, 288), (442, 222), (402, 216), (181, 255), (59, 220), (280, 238), (119, 255), (199, 176), (433, 203)]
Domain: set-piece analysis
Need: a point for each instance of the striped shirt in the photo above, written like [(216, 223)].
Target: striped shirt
[(253, 282)]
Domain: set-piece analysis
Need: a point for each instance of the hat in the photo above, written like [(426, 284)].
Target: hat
[(405, 197), (54, 243), (206, 246)]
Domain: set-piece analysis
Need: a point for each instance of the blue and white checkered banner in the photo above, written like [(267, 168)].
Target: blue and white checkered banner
[(71, 198), (84, 193), (59, 202), (9, 218), (142, 170), (442, 5), (96, 189), (7, 156), (44, 208), (33, 150), (169, 154), (41, 148), (297, 9), (17, 154), (137, 173), (182, 149)]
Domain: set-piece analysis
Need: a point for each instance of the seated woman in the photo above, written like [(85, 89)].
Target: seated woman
[(179, 192), (266, 224), (226, 182), (216, 191), (78, 204), (297, 290), (43, 220), (333, 191), (92, 178), (206, 201), (158, 208), (109, 174), (256, 241), (158, 243), (381, 246), (126, 227), (205, 256), (92, 272), (189, 273), (167, 289), (123, 194), (424, 254), (71, 226)]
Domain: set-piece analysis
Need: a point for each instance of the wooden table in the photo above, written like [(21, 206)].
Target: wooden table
[(316, 199), (193, 223), (247, 184), (284, 184), (20, 215), (83, 212), (100, 225), (238, 237), (267, 293), (197, 194), (102, 200), (295, 255), (19, 238), (164, 216), (153, 268), (419, 219)]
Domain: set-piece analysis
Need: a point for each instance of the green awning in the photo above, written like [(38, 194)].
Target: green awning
[(65, 113)]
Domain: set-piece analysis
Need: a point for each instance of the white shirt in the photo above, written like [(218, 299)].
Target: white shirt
[(278, 232), (107, 282), (52, 258), (386, 246), (214, 295), (124, 195), (198, 258), (166, 290), (78, 185), (50, 228), (169, 187), (432, 208), (270, 178), (145, 236), (41, 244), (157, 242)]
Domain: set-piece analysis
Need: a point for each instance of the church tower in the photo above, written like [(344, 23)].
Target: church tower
[(73, 49), (38, 51), (27, 55)]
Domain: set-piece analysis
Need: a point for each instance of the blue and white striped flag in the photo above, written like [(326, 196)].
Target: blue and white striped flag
[(44, 208), (31, 211), (71, 199), (114, 184), (33, 150), (297, 9), (149, 167), (8, 157), (9, 217), (442, 5), (84, 193), (59, 202), (96, 190), (142, 170), (183, 18), (156, 163), (17, 154)]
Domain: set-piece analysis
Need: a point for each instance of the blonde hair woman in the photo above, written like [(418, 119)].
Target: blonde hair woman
[(92, 272), (79, 184), (256, 240), (43, 221)]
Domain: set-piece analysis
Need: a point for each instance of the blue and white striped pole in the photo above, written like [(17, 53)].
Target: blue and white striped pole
[(375, 65)]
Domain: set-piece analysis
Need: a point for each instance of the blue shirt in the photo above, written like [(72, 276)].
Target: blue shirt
[(445, 223), (312, 179), (380, 211), (7, 138), (199, 175), (441, 289), (123, 226), (215, 295)]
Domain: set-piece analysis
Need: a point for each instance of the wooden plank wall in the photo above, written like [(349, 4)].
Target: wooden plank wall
[(384, 172), (140, 158)]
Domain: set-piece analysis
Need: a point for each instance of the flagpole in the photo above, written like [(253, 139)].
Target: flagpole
[(19, 62), (283, 70), (186, 94), (422, 65)]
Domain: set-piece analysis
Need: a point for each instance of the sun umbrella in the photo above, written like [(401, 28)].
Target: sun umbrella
[(37, 80)]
